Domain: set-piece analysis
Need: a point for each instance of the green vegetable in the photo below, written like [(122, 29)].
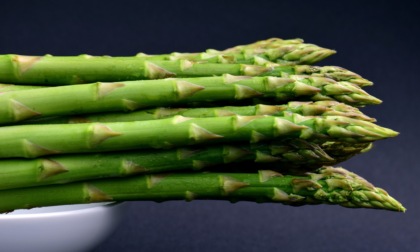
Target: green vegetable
[(183, 68), (319, 108), (215, 120), (61, 70), (39, 140), (325, 186), (134, 95), (299, 154)]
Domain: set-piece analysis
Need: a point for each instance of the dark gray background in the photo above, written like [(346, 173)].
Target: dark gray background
[(377, 39)]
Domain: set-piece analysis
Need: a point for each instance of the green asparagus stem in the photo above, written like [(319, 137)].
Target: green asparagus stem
[(39, 140), (319, 108), (11, 87), (298, 154), (184, 68), (134, 95), (325, 186), (63, 70)]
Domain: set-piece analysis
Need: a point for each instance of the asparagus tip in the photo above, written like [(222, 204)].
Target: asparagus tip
[(362, 193)]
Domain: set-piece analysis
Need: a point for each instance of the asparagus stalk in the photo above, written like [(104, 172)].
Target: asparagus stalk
[(184, 68), (298, 154), (325, 186), (63, 70), (134, 95), (319, 108), (39, 140)]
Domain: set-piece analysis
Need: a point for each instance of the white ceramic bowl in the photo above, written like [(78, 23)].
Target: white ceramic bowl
[(58, 229)]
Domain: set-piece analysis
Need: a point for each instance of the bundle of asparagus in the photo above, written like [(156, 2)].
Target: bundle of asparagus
[(255, 122)]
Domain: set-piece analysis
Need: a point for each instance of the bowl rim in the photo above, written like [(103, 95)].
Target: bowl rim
[(61, 210)]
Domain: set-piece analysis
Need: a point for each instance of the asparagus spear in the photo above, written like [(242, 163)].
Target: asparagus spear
[(39, 140), (62, 70), (298, 154), (134, 95), (325, 186), (319, 108), (184, 68)]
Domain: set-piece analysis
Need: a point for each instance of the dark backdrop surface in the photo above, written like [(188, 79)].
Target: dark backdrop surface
[(377, 39)]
